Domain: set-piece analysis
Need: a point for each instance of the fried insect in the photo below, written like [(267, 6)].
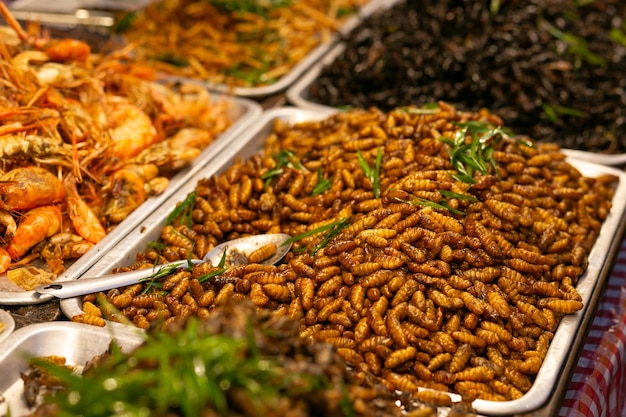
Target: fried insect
[(263, 253)]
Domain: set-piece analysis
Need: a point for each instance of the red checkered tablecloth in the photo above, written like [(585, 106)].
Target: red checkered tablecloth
[(598, 385)]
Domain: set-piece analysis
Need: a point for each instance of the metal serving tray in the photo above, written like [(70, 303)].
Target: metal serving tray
[(242, 112), (77, 343), (298, 95), (311, 58), (567, 339)]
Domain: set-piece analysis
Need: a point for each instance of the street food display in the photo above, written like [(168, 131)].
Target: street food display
[(552, 70), (443, 242), (432, 247)]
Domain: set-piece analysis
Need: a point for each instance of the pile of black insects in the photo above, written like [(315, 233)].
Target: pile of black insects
[(552, 69)]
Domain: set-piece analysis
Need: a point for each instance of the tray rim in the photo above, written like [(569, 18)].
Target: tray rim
[(590, 284), (251, 110)]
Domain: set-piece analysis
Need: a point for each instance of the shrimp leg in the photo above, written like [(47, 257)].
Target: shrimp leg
[(84, 220), (8, 221), (36, 225)]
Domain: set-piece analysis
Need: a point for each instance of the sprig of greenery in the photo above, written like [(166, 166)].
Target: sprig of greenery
[(494, 7), (209, 276), (219, 271), (577, 46), (553, 111), (183, 210), (174, 60), (153, 280), (322, 184), (284, 158), (477, 155), (261, 8), (451, 194), (331, 229), (444, 204), (418, 201), (618, 36), (428, 108), (372, 173), (124, 22)]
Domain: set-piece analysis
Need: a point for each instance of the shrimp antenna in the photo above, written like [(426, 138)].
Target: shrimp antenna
[(12, 22)]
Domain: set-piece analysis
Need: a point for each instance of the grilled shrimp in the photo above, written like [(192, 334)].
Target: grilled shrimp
[(84, 220), (29, 187), (36, 225), (130, 128), (176, 151), (67, 50), (126, 192), (33, 146)]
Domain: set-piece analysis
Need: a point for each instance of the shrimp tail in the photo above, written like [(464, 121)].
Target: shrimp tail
[(36, 225), (85, 222)]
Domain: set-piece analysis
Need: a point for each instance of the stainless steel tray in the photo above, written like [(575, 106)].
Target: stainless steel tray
[(298, 93), (617, 159), (242, 112), (78, 343), (301, 67), (566, 339)]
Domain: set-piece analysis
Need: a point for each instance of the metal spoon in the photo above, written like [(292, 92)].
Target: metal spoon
[(234, 252)]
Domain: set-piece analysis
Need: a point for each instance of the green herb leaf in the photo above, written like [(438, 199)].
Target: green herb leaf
[(428, 108), (151, 281), (323, 184), (170, 58), (332, 230), (284, 158), (211, 275), (373, 174), (494, 7), (450, 194), (477, 155), (261, 8), (183, 210), (418, 201), (618, 36), (577, 46), (124, 22)]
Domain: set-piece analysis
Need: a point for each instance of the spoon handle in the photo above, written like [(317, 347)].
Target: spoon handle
[(82, 286)]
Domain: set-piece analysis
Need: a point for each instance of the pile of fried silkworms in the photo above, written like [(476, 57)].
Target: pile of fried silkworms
[(432, 247)]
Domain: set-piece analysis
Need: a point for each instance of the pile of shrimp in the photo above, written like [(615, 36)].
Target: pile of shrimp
[(233, 43), (85, 139)]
